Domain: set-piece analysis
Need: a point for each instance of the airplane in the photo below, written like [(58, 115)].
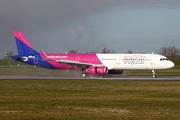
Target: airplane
[(90, 64)]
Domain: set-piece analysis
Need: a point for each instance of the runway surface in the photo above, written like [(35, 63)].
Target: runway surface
[(71, 77)]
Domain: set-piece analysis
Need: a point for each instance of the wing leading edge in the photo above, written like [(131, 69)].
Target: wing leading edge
[(70, 62)]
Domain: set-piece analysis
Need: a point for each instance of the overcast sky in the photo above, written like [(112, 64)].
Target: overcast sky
[(57, 26)]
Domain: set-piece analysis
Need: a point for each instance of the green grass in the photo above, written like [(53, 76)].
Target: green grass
[(89, 100), (176, 62), (28, 69), (10, 62)]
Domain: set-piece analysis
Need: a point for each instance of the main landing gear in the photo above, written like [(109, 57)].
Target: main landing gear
[(153, 74), (83, 75)]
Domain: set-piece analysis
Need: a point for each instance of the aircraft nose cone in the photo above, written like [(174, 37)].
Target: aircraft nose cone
[(171, 64)]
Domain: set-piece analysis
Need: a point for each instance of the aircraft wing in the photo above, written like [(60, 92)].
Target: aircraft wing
[(74, 63), (70, 62)]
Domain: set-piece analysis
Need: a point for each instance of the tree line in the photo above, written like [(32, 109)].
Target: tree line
[(171, 52)]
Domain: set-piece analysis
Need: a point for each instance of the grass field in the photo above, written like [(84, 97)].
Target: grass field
[(172, 71), (89, 100)]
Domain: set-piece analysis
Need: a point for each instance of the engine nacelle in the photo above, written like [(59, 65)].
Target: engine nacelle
[(115, 71), (97, 70)]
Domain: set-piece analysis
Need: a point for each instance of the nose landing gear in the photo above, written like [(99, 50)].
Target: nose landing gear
[(153, 74)]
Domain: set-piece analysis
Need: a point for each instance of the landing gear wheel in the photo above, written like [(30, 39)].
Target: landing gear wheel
[(83, 75), (154, 74)]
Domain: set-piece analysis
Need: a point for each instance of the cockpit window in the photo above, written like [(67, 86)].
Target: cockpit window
[(163, 59)]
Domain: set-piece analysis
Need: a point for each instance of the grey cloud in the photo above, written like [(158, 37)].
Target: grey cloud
[(44, 17), (76, 33), (50, 13)]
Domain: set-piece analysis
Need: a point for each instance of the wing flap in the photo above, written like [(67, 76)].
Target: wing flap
[(76, 63)]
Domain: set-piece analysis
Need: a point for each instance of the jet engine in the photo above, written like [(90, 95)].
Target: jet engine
[(97, 70)]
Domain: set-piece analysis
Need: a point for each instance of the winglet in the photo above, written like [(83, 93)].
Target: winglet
[(44, 54)]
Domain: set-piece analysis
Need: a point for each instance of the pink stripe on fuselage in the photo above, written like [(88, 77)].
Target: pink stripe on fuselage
[(84, 58), (21, 37), (55, 64)]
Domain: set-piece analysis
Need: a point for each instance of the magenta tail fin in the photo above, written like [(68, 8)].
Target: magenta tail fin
[(23, 45)]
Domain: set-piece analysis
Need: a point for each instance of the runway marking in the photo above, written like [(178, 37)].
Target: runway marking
[(66, 77)]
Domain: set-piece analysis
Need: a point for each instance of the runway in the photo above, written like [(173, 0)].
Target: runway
[(71, 77)]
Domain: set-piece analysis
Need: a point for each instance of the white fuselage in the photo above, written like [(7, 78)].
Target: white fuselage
[(135, 61)]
